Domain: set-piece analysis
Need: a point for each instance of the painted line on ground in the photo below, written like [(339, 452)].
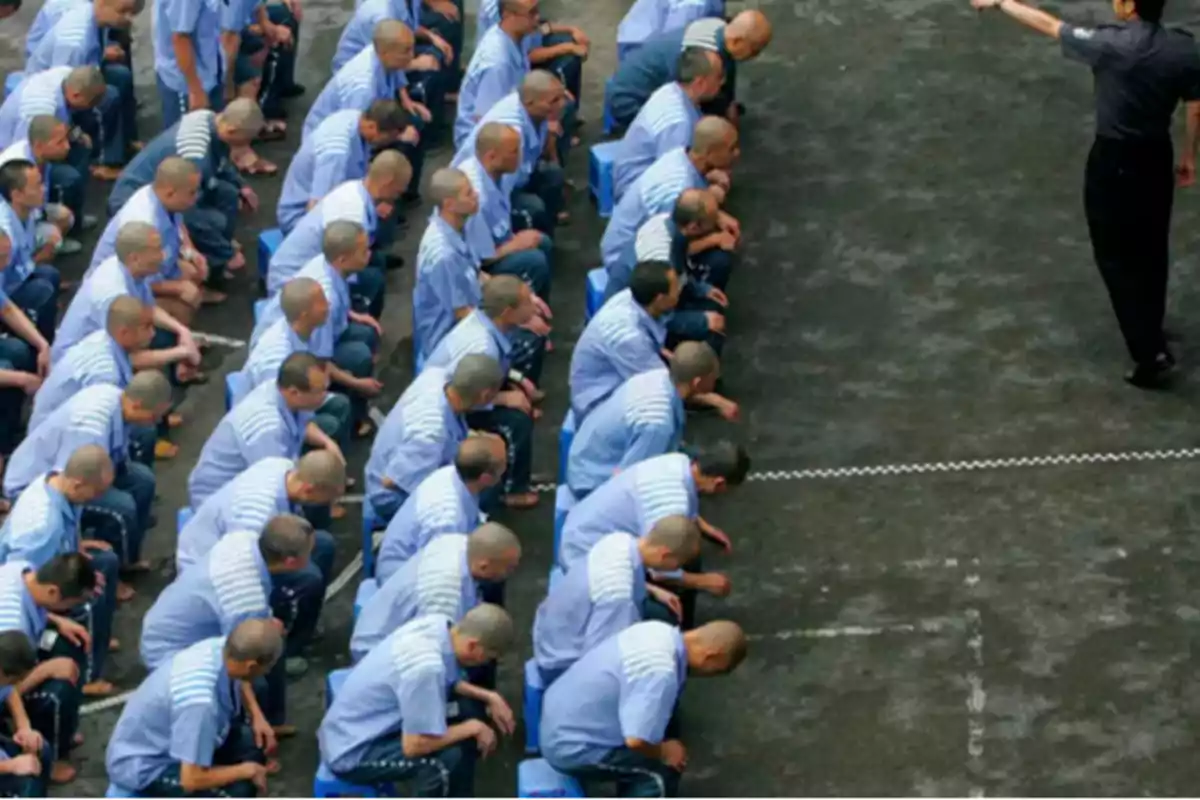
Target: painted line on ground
[(976, 692), (926, 626), (213, 338)]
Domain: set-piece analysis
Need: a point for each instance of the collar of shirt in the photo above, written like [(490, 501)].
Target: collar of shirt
[(60, 501), (468, 500), (120, 357), (281, 495), (656, 328), (498, 336), (452, 237), (455, 422), (293, 419)]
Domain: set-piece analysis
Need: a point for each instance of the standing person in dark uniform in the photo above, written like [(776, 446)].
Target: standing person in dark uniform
[(1142, 70)]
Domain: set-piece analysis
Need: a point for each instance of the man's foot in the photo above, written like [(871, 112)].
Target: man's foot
[(284, 731), (520, 500), (105, 172), (295, 666), (138, 566), (77, 739), (337, 511), (166, 450), (451, 97), (174, 420), (89, 221), (1155, 375), (365, 429), (549, 346), (295, 90), (211, 297), (273, 766), (62, 772), (237, 262), (98, 689), (70, 247), (114, 645), (137, 146), (125, 592)]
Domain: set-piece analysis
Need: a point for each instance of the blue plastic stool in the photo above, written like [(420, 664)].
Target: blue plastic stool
[(369, 523), (182, 517), (532, 705), (566, 435), (610, 124), (600, 176), (366, 590), (268, 242), (259, 307), (333, 684), (235, 384), (536, 778), (115, 789), (326, 784), (597, 287), (11, 81), (564, 501)]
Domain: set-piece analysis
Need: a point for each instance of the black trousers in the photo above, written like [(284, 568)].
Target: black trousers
[(1128, 192)]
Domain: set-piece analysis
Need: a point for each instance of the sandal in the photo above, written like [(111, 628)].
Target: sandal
[(365, 429), (521, 500), (257, 166), (166, 450)]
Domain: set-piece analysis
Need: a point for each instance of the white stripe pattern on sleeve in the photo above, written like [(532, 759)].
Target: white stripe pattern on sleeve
[(422, 404), (648, 400), (30, 514), (235, 575), (94, 410), (661, 492), (41, 92), (416, 654), (439, 576), (194, 674), (703, 33), (610, 569), (437, 500), (654, 240), (12, 596), (647, 650), (194, 136)]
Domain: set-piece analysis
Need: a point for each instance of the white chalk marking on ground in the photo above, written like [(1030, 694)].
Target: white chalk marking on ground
[(106, 703), (351, 500), (976, 692), (925, 626), (212, 338)]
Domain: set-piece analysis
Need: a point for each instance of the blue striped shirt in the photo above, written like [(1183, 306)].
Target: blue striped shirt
[(198, 19), (643, 418), (349, 202), (621, 341), (41, 93), (420, 434), (665, 123), (75, 40), (246, 503), (649, 18), (18, 611), (496, 68), (144, 206), (261, 426), (441, 504), (447, 279), (181, 714), (193, 138), (333, 154), (362, 81), (632, 501), (88, 311), (47, 17), (228, 586), (654, 192), (337, 291), (96, 359), (474, 334), (23, 235), (41, 525), (602, 597), (491, 226), (92, 416), (267, 354), (437, 581), (510, 111), (359, 32)]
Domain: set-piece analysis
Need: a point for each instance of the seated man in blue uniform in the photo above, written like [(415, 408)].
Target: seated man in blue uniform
[(448, 577), (275, 420), (78, 39), (403, 687), (101, 415), (636, 498), (445, 502), (423, 430), (69, 93), (24, 770), (339, 150), (703, 165), (553, 46), (44, 706), (47, 143), (647, 19), (668, 118), (655, 62), (28, 279), (204, 138), (24, 356), (246, 575), (45, 522), (643, 418), (627, 336), (183, 732), (609, 717), (497, 65), (607, 592)]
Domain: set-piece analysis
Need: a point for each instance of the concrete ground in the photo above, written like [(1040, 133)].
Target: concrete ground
[(916, 288)]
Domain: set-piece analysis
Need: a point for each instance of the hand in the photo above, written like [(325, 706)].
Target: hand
[(980, 5), (717, 535), (726, 241), (674, 754), (256, 774), (580, 37), (43, 362), (85, 140), (514, 399), (719, 177), (717, 585), (249, 197), (443, 47), (447, 10), (537, 325), (370, 322), (384, 209), (555, 127), (580, 50), (527, 240), (190, 293), (94, 544), (74, 633), (717, 296), (668, 599), (501, 714), (30, 383), (484, 736), (280, 35), (29, 739), (114, 52), (264, 734), (729, 225), (716, 321), (368, 387), (197, 99), (25, 764), (421, 111), (411, 135)]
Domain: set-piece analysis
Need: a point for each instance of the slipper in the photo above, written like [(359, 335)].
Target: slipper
[(174, 420), (125, 592), (273, 766), (197, 379), (105, 172), (259, 166), (365, 429), (166, 450), (211, 297), (284, 731), (62, 772), (337, 511), (97, 689), (521, 501)]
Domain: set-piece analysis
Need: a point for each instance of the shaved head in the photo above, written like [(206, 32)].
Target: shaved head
[(679, 535), (716, 648), (390, 166), (446, 184), (489, 625), (751, 27), (90, 465), (175, 173), (297, 296), (477, 456), (134, 238), (285, 536), (492, 541), (341, 238), (693, 360), (322, 470), (87, 81), (712, 133), (390, 33), (124, 311), (149, 389), (474, 375), (43, 127), (493, 136), (256, 640), (537, 84), (244, 116), (694, 205), (501, 293)]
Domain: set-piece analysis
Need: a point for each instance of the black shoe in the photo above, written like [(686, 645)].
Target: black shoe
[(410, 200), (741, 108), (295, 90), (394, 262), (1155, 375)]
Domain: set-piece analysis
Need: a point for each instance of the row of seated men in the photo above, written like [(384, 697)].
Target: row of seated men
[(300, 383)]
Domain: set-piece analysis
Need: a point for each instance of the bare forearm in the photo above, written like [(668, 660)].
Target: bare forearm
[(155, 359), (472, 691), (704, 243), (250, 701), (185, 57), (1033, 18), (1193, 129), (16, 706), (317, 437), (541, 55), (20, 324), (168, 323), (653, 751), (231, 42), (417, 746), (195, 779)]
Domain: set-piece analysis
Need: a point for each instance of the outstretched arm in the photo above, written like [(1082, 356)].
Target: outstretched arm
[(1028, 16)]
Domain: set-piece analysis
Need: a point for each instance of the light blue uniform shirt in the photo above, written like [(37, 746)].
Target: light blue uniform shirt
[(437, 581), (227, 587), (144, 206), (88, 311), (41, 525), (648, 18), (401, 687), (333, 154), (496, 68), (75, 40), (665, 123), (510, 112), (441, 504), (201, 21), (337, 292), (277, 342), (632, 501), (447, 278), (653, 193), (643, 418), (38, 94), (246, 503), (47, 17), (261, 426), (181, 713), (97, 359), (621, 341), (488, 17), (601, 597), (360, 30), (23, 235), (474, 334), (626, 688), (18, 611), (421, 433), (92, 416), (349, 202), (362, 81), (491, 226)]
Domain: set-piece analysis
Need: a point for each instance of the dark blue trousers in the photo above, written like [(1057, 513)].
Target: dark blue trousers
[(237, 748)]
